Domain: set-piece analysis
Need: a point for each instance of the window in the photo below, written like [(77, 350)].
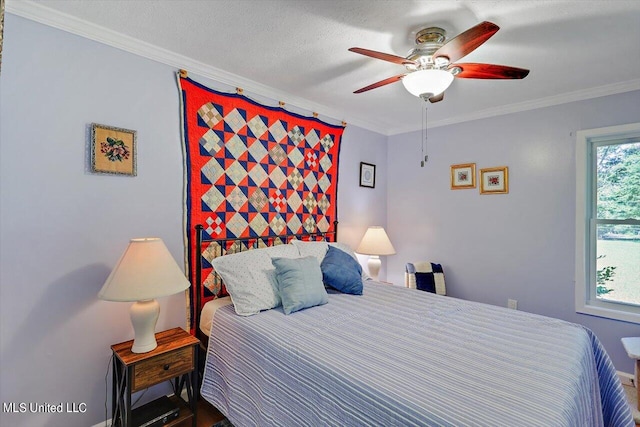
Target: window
[(608, 222)]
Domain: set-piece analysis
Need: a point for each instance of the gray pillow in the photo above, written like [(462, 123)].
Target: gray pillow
[(299, 283)]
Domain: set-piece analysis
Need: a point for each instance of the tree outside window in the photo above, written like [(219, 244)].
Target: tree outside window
[(618, 222)]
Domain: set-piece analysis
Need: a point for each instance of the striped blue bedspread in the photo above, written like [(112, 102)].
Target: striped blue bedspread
[(401, 357)]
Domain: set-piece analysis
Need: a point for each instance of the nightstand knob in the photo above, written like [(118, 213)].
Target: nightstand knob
[(166, 367)]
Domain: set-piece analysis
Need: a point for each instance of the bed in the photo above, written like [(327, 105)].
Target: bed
[(401, 357)]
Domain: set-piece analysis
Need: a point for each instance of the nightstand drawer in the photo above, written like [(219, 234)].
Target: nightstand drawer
[(162, 367)]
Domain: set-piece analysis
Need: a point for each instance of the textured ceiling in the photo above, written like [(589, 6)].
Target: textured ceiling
[(296, 51)]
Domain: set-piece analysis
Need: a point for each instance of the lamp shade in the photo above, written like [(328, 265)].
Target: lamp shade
[(146, 270), (375, 242), (427, 82)]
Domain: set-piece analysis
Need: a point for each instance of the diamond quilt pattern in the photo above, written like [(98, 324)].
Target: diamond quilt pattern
[(253, 170)]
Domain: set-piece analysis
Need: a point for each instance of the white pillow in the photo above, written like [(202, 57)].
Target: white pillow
[(316, 249), (319, 250), (250, 277)]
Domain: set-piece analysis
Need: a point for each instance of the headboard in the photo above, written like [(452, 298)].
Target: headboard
[(219, 247)]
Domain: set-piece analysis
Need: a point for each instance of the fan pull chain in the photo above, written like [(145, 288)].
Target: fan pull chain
[(425, 156), (426, 131), (422, 140)]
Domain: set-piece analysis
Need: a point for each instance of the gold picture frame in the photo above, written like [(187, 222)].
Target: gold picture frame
[(463, 176), (494, 180), (113, 150)]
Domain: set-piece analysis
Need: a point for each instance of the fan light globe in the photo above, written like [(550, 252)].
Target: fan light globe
[(427, 83)]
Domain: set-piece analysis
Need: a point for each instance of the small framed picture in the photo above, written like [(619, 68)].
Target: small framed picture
[(113, 150), (463, 176), (367, 175), (494, 180)]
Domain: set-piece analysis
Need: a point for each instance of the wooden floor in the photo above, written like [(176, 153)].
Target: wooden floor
[(207, 414)]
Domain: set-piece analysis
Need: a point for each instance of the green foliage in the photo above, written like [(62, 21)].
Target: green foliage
[(603, 276), (619, 181)]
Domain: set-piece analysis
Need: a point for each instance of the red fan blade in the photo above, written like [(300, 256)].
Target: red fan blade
[(384, 56), (465, 43), (489, 71), (381, 83), (436, 98)]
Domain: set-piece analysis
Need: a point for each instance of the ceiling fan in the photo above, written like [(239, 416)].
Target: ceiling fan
[(432, 66)]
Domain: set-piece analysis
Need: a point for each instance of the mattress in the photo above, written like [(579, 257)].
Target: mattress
[(209, 310), (401, 357)]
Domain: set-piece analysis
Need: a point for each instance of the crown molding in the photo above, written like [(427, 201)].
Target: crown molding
[(44, 15), (71, 24), (550, 101)]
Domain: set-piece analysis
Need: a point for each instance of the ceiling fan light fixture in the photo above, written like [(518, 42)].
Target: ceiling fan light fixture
[(433, 63), (427, 83)]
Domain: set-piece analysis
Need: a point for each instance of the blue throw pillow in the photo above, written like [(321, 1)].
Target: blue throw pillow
[(341, 272), (299, 283)]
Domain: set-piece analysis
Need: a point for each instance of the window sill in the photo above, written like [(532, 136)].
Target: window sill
[(605, 310)]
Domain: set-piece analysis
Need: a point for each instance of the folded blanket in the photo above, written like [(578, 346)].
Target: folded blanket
[(426, 276)]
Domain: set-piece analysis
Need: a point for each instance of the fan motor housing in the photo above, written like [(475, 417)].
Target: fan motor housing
[(431, 35), (428, 41)]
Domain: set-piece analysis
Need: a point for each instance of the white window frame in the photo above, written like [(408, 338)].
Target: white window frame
[(585, 294)]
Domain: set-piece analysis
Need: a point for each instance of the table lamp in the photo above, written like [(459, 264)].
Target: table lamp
[(375, 243), (146, 271)]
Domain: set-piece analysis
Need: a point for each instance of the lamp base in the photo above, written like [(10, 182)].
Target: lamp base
[(374, 264), (144, 315)]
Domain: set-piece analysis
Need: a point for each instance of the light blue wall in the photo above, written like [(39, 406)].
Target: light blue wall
[(495, 247), (361, 207), (62, 228)]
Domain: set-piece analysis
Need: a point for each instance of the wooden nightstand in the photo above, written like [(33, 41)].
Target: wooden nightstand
[(175, 359)]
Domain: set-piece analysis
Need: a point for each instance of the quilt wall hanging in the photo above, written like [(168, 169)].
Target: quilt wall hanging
[(252, 170)]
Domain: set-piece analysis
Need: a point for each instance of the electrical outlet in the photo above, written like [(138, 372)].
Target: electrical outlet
[(512, 304)]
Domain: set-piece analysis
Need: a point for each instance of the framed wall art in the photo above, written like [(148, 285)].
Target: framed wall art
[(463, 176), (494, 180), (367, 175), (113, 150)]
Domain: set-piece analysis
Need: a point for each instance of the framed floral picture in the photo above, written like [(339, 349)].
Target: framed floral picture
[(463, 176), (494, 180), (367, 175), (113, 150)]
